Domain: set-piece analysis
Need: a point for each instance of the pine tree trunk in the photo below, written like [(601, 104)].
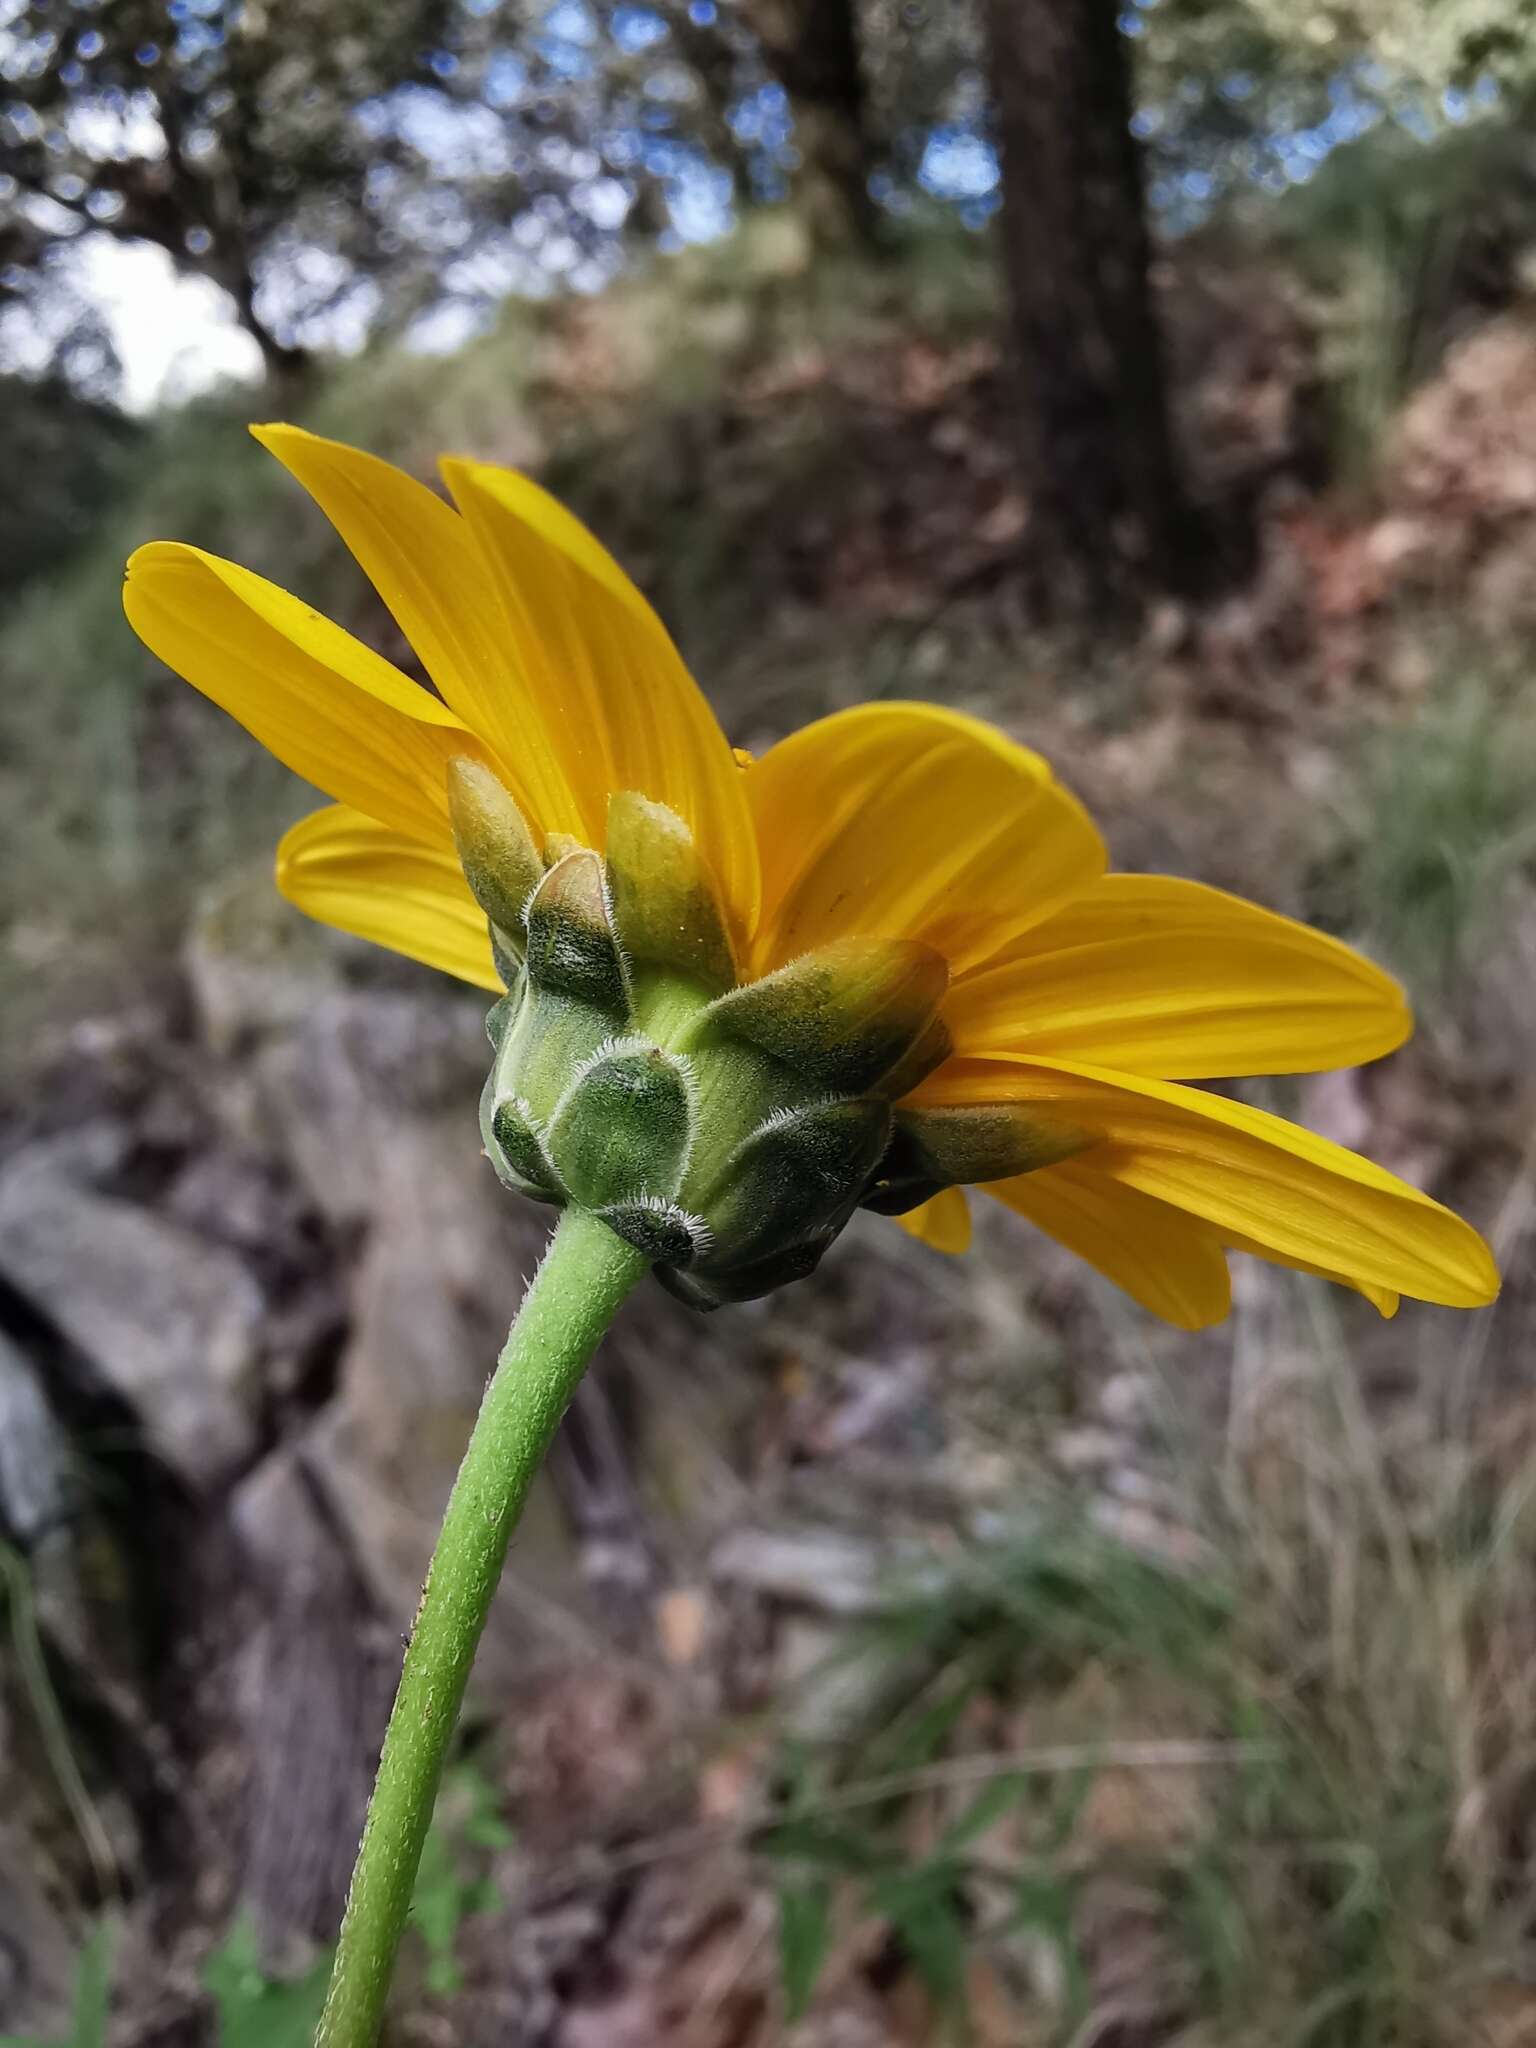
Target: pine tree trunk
[(1109, 521), (813, 49)]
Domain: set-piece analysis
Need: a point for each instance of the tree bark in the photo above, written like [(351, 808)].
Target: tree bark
[(1109, 521), (287, 367), (813, 49)]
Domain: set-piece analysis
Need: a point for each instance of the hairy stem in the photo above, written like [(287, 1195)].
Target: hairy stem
[(585, 1275)]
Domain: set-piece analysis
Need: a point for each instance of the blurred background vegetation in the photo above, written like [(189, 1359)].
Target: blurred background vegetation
[(942, 1652)]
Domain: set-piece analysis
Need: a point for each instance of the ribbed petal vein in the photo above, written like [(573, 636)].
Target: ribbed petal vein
[(1170, 1262), (908, 821), (621, 710), (328, 707), (345, 870), (1250, 1175), (1154, 975), (427, 566)]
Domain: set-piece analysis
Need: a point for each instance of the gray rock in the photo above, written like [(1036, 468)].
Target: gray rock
[(370, 1100), (829, 1571), (1088, 1449), (253, 963), (315, 1681), (171, 1322), (339, 1095), (38, 1490), (37, 1947)]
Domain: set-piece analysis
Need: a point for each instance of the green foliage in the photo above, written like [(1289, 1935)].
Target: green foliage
[(1400, 241), (1432, 44), (78, 459), (805, 1935), (1056, 1599), (1229, 86), (251, 2009), (1337, 1879), (451, 1883), (978, 1627), (93, 1989), (1445, 825), (254, 2010), (244, 157)]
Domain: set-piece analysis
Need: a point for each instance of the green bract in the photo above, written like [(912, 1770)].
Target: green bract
[(726, 1130)]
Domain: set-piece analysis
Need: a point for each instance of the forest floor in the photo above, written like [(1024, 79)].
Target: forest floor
[(965, 1658)]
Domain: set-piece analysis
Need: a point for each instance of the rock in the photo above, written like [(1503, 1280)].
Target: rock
[(822, 1569), (1505, 2017), (169, 1321), (831, 1687), (1087, 1449), (369, 1098), (38, 1489), (1128, 1399), (314, 1688), (75, 1567), (37, 1948), (253, 963), (690, 1960), (339, 1096)]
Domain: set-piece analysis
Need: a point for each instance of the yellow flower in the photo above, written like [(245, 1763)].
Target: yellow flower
[(1074, 1005)]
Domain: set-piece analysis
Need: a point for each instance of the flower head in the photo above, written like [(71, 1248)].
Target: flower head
[(738, 1001)]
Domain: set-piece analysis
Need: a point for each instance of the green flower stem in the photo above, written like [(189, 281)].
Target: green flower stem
[(575, 1294)]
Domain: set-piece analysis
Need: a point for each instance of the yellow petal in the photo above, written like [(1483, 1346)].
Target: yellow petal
[(345, 870), (329, 708), (1169, 1262), (426, 565), (908, 821), (1250, 1175), (1166, 977), (1382, 1299), (621, 709), (943, 1222)]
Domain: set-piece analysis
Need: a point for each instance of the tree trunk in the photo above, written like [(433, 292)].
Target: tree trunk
[(287, 367), (812, 47), (1109, 522)]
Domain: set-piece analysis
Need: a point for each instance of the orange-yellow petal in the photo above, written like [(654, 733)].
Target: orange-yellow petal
[(345, 870), (909, 821), (1160, 976), (327, 706), (621, 709), (1250, 1175), (1171, 1263), (943, 1222), (427, 566), (1382, 1299)]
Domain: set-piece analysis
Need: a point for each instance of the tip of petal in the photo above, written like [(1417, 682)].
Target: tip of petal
[(1465, 1272), (1397, 1020), (1488, 1281)]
